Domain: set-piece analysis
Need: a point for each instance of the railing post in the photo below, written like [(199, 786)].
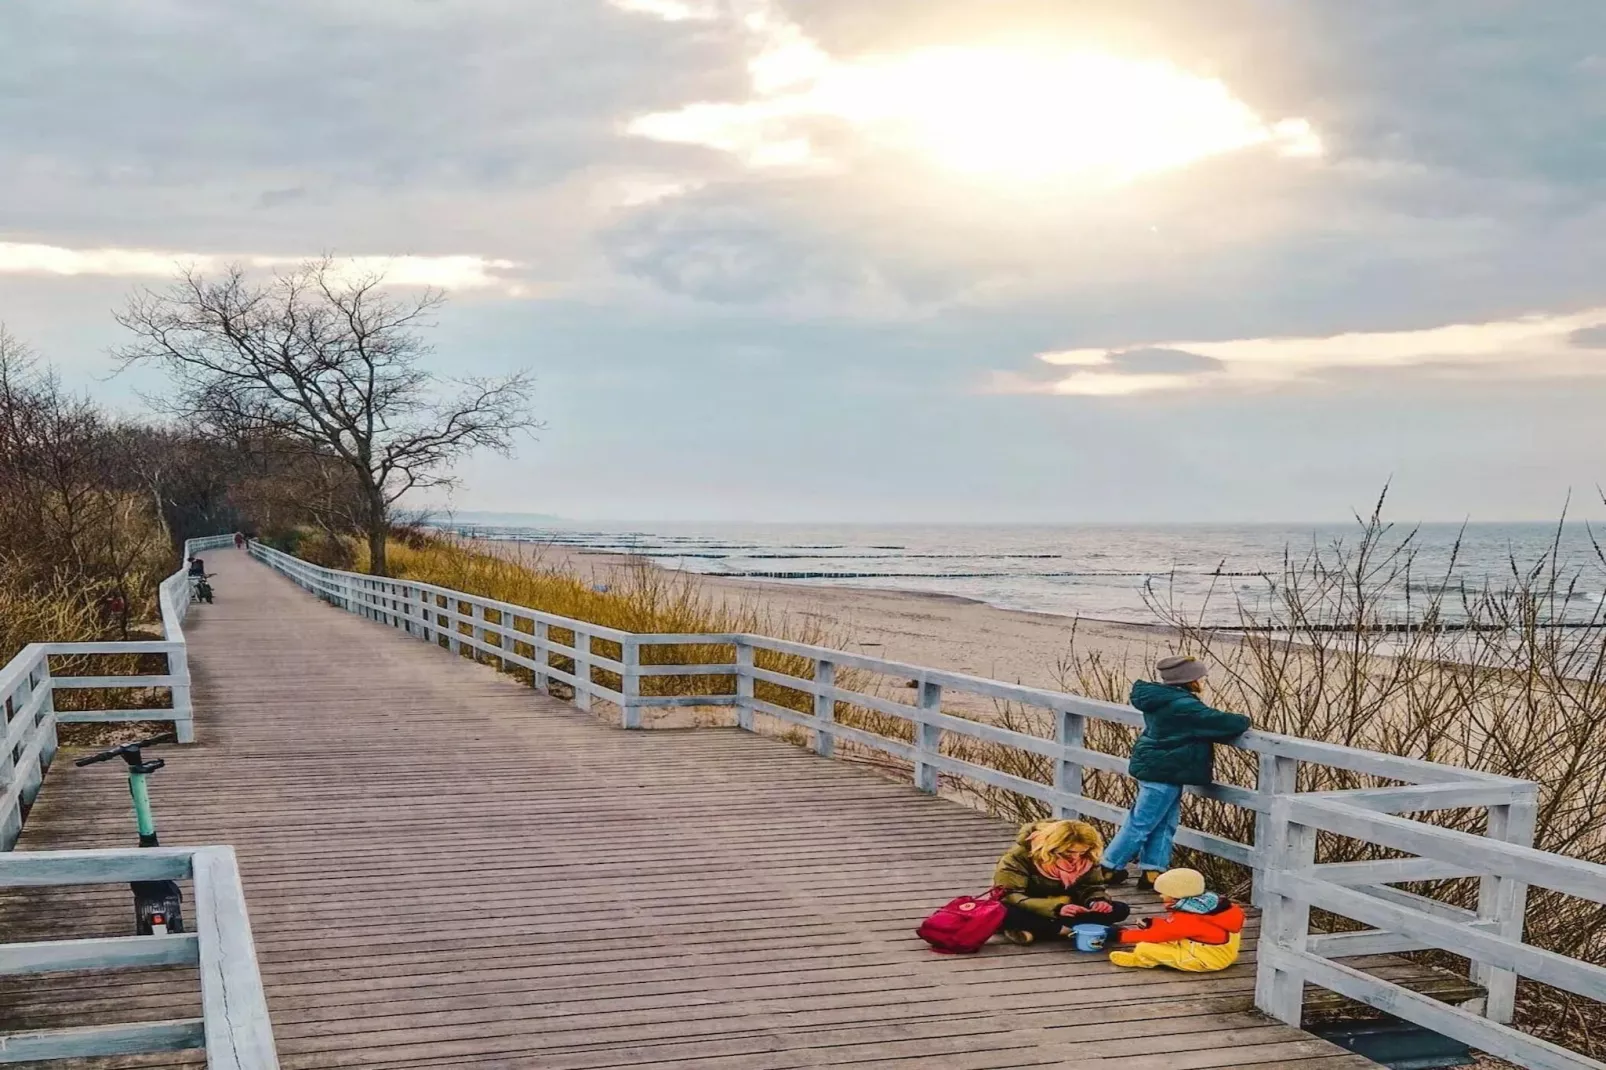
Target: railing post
[(11, 817), (744, 685), (582, 669), (1071, 731), (47, 749), (542, 651), (630, 682), (928, 738), (477, 611), (454, 641), (1277, 776), (1285, 921), (1504, 901), (824, 707), (178, 667)]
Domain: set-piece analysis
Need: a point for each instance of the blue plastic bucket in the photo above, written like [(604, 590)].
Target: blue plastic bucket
[(1089, 937)]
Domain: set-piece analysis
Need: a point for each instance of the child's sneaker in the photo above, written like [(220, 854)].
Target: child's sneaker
[(1146, 880), (1020, 936), (1113, 877)]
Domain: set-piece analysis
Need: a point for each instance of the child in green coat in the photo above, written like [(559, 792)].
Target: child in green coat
[(1177, 748)]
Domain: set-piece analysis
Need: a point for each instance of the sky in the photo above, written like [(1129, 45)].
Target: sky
[(916, 260)]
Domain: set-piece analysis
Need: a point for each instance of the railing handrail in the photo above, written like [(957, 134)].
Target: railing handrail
[(1290, 956)]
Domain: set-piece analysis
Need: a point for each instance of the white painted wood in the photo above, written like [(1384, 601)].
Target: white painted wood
[(1368, 942), (746, 673), (1503, 900), (1276, 775), (1574, 876), (543, 650), (824, 707), (82, 682), (107, 953), (43, 869), (928, 737), (1070, 731), (581, 680), (1582, 978), (1285, 919), (1425, 797), (101, 1040), (1411, 900), (685, 670), (239, 1035), (1498, 1040), (1392, 871), (630, 684)]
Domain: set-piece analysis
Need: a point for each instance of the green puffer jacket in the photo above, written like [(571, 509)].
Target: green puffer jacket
[(1030, 890), (1179, 735)]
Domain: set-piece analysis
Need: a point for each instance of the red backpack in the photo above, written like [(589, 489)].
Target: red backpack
[(962, 926)]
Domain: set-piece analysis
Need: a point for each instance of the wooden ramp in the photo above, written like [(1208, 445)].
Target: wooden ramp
[(445, 869)]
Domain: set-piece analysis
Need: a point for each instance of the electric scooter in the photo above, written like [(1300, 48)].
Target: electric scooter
[(158, 905)]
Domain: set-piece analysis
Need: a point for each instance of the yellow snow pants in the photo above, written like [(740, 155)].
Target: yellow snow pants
[(1189, 955)]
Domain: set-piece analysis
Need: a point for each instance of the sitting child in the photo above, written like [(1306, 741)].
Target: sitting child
[(1052, 880), (1200, 932)]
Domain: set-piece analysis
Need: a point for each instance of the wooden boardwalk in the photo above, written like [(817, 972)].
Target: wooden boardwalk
[(445, 869)]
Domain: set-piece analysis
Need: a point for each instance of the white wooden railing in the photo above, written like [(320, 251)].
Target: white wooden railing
[(1288, 882), (28, 714), (234, 1027)]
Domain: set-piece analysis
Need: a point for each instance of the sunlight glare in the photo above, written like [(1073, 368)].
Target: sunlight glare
[(1016, 115), (997, 113)]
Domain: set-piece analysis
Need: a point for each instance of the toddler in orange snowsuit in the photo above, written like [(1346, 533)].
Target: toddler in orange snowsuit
[(1200, 932)]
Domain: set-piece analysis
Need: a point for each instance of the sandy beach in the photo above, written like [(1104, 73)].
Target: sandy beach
[(934, 630)]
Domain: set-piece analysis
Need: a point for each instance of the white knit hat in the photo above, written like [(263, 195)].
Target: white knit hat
[(1179, 883)]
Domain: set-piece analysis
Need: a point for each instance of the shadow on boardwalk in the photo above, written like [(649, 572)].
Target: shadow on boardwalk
[(446, 869)]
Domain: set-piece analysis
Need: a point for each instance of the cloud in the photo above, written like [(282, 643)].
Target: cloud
[(670, 10), (447, 272), (274, 197), (1588, 338), (1536, 346), (1156, 360)]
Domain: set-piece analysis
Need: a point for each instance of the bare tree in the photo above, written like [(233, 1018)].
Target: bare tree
[(331, 360)]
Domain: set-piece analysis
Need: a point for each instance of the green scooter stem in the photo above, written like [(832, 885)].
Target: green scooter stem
[(142, 809)]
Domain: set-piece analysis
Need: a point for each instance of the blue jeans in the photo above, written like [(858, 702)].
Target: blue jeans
[(1149, 828)]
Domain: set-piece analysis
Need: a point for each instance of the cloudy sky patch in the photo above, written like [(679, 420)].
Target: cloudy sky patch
[(1155, 232)]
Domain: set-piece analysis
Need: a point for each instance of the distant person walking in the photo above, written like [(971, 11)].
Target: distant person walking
[(1177, 748), (239, 541)]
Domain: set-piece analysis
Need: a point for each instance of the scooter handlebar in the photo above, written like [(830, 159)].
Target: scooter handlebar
[(127, 749)]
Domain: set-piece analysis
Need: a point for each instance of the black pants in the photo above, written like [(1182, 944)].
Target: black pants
[(1048, 928)]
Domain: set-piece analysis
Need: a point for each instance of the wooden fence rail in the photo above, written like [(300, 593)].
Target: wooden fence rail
[(606, 665)]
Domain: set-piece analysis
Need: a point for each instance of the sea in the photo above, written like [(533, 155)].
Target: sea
[(1217, 575)]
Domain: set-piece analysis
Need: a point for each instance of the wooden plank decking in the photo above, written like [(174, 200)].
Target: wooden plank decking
[(445, 869)]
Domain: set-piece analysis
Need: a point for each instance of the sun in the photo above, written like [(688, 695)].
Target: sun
[(998, 113), (1033, 116)]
